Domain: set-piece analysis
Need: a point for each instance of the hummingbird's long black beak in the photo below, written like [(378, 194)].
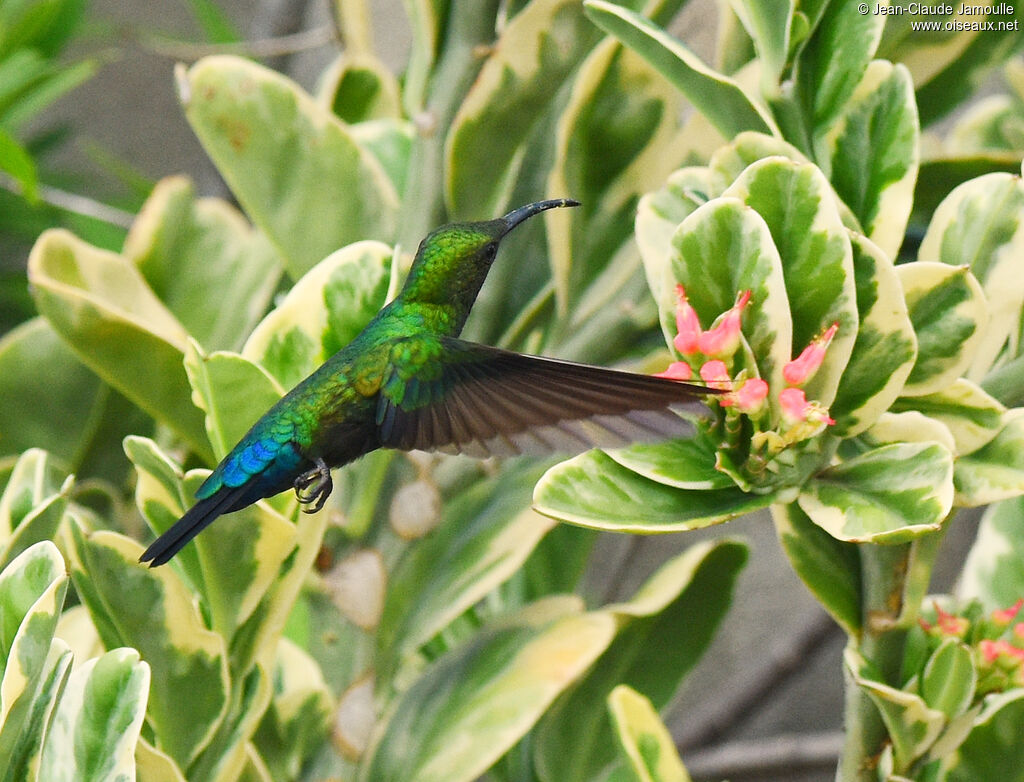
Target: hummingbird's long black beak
[(516, 216)]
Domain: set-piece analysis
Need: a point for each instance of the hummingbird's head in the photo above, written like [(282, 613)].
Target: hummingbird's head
[(452, 262)]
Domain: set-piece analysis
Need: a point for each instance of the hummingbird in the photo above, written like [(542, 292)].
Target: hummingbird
[(408, 382)]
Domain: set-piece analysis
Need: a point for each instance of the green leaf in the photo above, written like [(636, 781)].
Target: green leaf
[(233, 391), (493, 688), (875, 153), (657, 218), (962, 75), (912, 725), (995, 471), (153, 765), (644, 741), (23, 761), (98, 721), (293, 166), (884, 351), (768, 24), (41, 374), (891, 494), (427, 18), (593, 491), (829, 567), (798, 206), (619, 130), (993, 749), (685, 464), (972, 416), (994, 570), (16, 161), (981, 225), (832, 62), (991, 124), (100, 304), (217, 26), (724, 248), (947, 683), (32, 504), (322, 312), (730, 160), (948, 310), (684, 600), (32, 590), (390, 141), (537, 50), (909, 427), (938, 176), (296, 722), (358, 87), (716, 96), (151, 610), (204, 261), (486, 536)]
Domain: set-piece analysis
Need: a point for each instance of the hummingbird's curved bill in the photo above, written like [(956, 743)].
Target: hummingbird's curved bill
[(408, 382)]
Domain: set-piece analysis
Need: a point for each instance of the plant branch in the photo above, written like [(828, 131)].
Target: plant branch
[(261, 48), (73, 202)]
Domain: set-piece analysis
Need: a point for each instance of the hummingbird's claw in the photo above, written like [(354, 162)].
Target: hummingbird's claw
[(314, 486)]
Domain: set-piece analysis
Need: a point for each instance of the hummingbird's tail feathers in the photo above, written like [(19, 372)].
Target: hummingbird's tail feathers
[(491, 402), (195, 520)]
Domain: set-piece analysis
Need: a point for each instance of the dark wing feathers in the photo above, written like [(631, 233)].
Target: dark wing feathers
[(490, 402)]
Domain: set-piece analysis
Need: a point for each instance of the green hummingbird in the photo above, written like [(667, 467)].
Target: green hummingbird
[(408, 382)]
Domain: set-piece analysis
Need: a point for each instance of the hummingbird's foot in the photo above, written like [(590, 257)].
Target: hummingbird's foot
[(314, 486)]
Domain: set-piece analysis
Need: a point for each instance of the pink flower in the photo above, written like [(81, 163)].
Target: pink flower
[(677, 370), (716, 375), (797, 410), (687, 325), (1004, 616), (951, 624), (946, 623), (1018, 630), (802, 368), (722, 339), (751, 395), (993, 650)]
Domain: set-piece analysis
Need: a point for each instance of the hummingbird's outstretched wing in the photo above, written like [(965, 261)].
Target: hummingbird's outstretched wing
[(484, 401)]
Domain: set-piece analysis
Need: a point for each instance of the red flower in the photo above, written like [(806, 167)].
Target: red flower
[(687, 325), (722, 339), (677, 370), (802, 368)]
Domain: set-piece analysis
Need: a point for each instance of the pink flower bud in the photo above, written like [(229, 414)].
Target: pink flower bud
[(715, 374), (989, 650), (677, 370), (687, 325), (751, 395), (951, 624), (797, 410), (993, 650), (1004, 616), (802, 368), (722, 339)]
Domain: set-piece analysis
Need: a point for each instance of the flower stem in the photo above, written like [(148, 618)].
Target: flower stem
[(895, 578)]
